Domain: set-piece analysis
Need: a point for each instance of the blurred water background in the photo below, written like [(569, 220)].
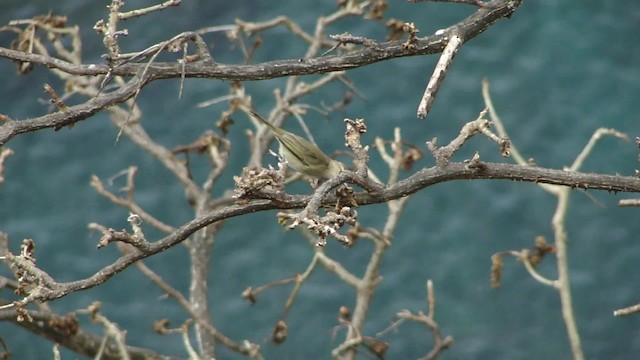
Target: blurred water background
[(558, 70)]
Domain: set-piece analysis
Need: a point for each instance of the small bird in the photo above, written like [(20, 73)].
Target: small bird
[(301, 154)]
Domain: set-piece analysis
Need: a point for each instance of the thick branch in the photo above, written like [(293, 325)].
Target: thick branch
[(468, 29), (50, 326), (460, 171), (72, 114), (416, 182)]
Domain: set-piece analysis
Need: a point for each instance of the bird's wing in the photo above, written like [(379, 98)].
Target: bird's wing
[(314, 157)]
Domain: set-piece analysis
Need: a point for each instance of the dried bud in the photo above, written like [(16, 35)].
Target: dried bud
[(279, 334), (249, 294), (344, 314)]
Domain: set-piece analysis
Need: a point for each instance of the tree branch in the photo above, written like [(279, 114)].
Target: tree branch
[(64, 330), (468, 29), (420, 180)]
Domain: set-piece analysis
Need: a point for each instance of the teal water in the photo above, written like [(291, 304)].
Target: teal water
[(559, 70)]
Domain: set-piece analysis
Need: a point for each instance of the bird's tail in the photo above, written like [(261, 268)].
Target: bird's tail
[(265, 121)]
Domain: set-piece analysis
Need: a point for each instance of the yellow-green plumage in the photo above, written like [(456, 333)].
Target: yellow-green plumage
[(301, 154)]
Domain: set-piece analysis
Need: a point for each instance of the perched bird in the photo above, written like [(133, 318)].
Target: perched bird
[(301, 154)]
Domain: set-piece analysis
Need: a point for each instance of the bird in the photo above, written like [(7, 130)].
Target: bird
[(302, 155)]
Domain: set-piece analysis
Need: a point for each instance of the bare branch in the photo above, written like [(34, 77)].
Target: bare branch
[(454, 42), (59, 328), (627, 311), (469, 28)]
